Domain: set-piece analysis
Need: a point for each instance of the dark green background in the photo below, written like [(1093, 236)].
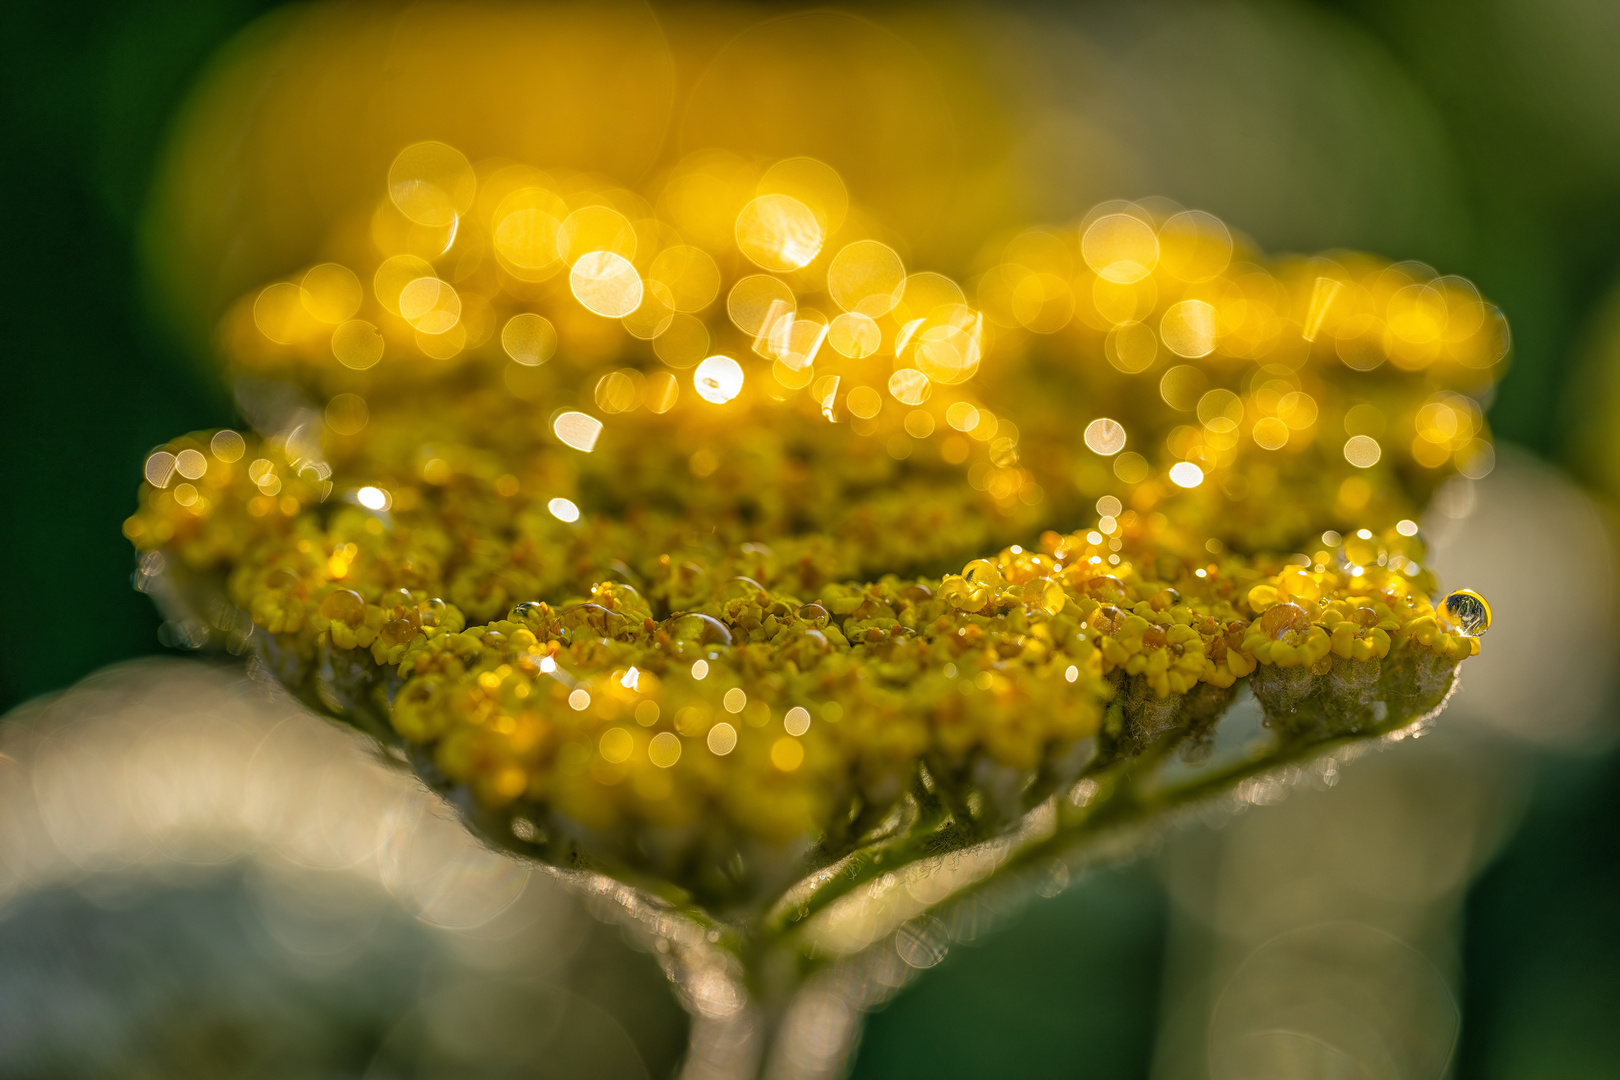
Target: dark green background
[(92, 383)]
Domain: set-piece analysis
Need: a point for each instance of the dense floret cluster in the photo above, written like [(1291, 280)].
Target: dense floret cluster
[(696, 633), (662, 711)]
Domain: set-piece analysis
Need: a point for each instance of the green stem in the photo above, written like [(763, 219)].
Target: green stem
[(1127, 800)]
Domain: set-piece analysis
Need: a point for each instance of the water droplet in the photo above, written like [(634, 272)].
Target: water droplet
[(586, 620), (1467, 613), (1279, 619), (528, 613), (742, 588), (695, 628), (398, 632), (345, 606), (982, 572), (1164, 598)]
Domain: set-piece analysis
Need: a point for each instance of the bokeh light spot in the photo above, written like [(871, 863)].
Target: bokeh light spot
[(758, 299), (606, 284), (689, 274), (909, 386), (1131, 348), (718, 379), (578, 430), (813, 183), (529, 339), (1194, 246), (395, 273), (1182, 386), (854, 335), (1270, 433), (930, 296), (190, 464), (1188, 328), (665, 749), (1323, 293), (596, 228), (722, 739), (159, 469), (1104, 436), (864, 402), (620, 391), (778, 232), (430, 305), (866, 277), (279, 312), (347, 414), (1120, 248), (962, 416), (525, 241), (228, 446), (616, 744), (1186, 474), (683, 343), (949, 352), (357, 344), (332, 293), (432, 183), (663, 391), (1362, 451)]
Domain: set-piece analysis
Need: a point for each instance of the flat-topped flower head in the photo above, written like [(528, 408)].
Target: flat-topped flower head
[(705, 557)]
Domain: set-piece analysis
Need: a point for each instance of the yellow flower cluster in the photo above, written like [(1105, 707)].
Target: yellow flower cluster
[(632, 547), (654, 714), (1290, 394)]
